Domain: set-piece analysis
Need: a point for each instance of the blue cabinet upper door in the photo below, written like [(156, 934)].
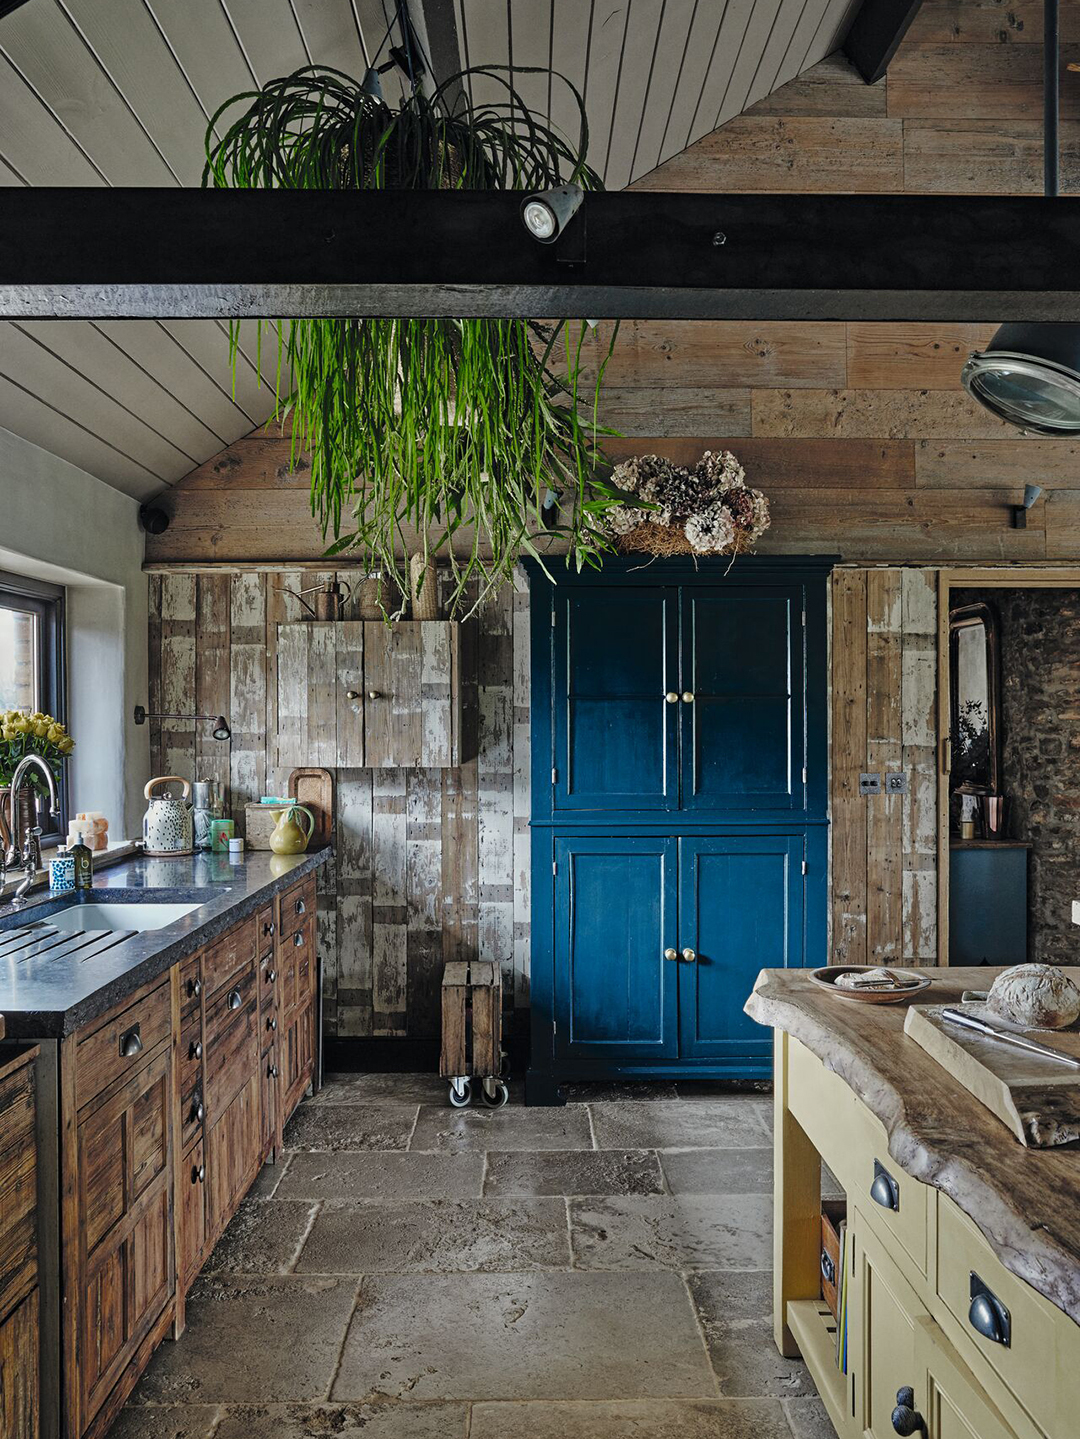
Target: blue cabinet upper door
[(740, 910), (743, 736), (615, 914), (615, 733)]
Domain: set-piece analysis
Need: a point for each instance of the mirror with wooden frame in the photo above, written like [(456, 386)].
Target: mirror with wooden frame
[(975, 700)]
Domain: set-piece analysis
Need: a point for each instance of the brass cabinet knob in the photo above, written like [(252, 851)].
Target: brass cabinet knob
[(672, 697), (688, 697), (689, 956), (352, 694), (671, 954), (374, 695)]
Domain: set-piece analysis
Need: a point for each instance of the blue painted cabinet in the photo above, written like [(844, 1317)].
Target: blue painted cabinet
[(616, 995), (680, 712), (740, 910)]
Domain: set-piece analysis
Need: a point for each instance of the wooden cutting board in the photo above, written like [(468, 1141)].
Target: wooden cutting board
[(315, 788), (1038, 1099)]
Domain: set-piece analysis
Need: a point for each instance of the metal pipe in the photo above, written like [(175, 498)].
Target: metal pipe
[(1051, 98)]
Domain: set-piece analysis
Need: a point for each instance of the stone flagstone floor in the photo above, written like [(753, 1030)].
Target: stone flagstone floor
[(408, 1271)]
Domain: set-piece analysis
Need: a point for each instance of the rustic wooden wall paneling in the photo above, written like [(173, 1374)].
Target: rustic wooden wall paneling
[(884, 719), (429, 864)]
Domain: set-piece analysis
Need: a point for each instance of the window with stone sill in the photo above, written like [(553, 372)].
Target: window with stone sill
[(32, 668)]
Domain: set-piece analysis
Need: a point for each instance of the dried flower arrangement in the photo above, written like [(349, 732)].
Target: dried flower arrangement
[(709, 509)]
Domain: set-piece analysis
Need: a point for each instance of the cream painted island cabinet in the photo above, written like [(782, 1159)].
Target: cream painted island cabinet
[(960, 1289)]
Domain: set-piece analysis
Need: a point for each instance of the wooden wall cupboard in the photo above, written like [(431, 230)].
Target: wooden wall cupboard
[(169, 1107), (365, 693), (680, 842)]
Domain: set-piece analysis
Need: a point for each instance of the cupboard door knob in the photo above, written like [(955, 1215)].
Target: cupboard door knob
[(374, 695), (301, 907), (672, 697), (272, 1024), (130, 1042), (234, 999), (688, 697), (268, 928), (271, 975), (195, 986), (885, 1190), (273, 1071), (196, 1049), (906, 1419), (689, 955), (671, 954), (198, 1175), (198, 1112), (352, 694)]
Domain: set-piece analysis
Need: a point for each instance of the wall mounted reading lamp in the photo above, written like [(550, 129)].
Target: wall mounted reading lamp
[(221, 728)]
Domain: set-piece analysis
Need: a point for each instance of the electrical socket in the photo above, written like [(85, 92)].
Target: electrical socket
[(869, 784), (896, 783)]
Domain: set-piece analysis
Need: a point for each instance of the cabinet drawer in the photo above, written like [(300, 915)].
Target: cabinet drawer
[(223, 959), (18, 1184), (893, 1203), (1040, 1364), (823, 1105), (297, 904), (231, 1045), (119, 1047)]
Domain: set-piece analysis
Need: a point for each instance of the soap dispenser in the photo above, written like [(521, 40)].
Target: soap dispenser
[(84, 863)]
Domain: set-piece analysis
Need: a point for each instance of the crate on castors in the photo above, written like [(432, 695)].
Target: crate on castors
[(472, 1032)]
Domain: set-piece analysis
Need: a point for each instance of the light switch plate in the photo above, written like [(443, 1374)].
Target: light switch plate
[(869, 784), (896, 783)]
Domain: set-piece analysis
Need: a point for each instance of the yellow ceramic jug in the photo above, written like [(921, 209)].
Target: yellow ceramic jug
[(288, 836)]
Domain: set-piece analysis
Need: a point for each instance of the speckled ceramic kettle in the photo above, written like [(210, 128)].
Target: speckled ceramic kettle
[(167, 824)]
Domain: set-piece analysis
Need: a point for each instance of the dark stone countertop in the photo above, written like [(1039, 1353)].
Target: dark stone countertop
[(43, 998)]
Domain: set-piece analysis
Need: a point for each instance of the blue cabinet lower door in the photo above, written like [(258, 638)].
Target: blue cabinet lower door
[(615, 914), (740, 910)]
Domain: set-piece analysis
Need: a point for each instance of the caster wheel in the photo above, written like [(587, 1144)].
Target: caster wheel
[(459, 1098), (499, 1097)]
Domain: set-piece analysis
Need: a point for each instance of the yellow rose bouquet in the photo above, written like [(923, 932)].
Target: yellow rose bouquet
[(21, 734)]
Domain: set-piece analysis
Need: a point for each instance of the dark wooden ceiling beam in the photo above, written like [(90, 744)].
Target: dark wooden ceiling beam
[(98, 253), (875, 35)]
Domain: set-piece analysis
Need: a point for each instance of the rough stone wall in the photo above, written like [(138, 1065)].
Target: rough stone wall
[(1040, 701)]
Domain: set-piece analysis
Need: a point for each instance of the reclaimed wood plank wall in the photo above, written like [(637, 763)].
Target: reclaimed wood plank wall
[(429, 865)]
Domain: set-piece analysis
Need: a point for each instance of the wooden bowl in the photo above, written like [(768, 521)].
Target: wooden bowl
[(826, 979)]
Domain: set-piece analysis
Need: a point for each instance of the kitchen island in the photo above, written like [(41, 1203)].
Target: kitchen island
[(962, 1254), (166, 1062)]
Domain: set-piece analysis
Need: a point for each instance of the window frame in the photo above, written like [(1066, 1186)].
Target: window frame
[(47, 601)]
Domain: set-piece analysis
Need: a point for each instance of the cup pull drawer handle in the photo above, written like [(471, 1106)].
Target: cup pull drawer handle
[(301, 907), (298, 940), (131, 1042), (885, 1190), (987, 1315), (234, 999)]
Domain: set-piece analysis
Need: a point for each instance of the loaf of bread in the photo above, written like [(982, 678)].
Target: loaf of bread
[(1041, 996)]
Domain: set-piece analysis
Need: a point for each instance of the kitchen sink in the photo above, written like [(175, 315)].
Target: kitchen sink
[(77, 917)]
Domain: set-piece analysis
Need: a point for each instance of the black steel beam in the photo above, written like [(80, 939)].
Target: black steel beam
[(876, 33), (91, 253)]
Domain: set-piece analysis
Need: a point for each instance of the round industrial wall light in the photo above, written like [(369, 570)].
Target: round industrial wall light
[(1029, 375)]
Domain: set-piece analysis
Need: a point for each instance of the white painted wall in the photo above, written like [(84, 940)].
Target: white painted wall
[(60, 524)]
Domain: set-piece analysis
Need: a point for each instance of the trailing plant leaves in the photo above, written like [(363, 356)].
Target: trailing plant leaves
[(452, 429)]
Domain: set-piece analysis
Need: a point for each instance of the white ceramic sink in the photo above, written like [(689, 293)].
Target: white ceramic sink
[(118, 916)]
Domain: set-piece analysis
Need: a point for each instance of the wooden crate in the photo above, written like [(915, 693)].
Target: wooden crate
[(471, 1020)]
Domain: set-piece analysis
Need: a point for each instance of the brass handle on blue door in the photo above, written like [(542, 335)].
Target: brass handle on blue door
[(671, 954), (689, 955), (671, 697), (688, 697)]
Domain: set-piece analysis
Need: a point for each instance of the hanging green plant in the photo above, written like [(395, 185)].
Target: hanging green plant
[(446, 429)]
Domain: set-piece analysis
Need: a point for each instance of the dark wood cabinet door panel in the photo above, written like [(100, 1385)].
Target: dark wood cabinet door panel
[(18, 1182), (193, 1213), (232, 1020), (19, 1371)]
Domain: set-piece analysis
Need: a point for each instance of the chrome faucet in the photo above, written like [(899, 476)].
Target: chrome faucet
[(25, 850)]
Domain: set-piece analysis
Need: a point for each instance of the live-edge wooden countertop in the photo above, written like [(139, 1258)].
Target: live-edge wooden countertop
[(1025, 1201)]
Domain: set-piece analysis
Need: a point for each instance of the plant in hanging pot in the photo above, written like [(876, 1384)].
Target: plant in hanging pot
[(23, 733), (449, 430)]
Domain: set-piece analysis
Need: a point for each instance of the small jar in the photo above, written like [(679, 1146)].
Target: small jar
[(62, 871), (236, 848)]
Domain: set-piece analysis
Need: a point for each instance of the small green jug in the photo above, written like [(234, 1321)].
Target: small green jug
[(288, 836)]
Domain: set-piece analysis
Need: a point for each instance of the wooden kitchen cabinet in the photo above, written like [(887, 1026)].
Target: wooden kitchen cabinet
[(20, 1383), (19, 1300), (354, 693)]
